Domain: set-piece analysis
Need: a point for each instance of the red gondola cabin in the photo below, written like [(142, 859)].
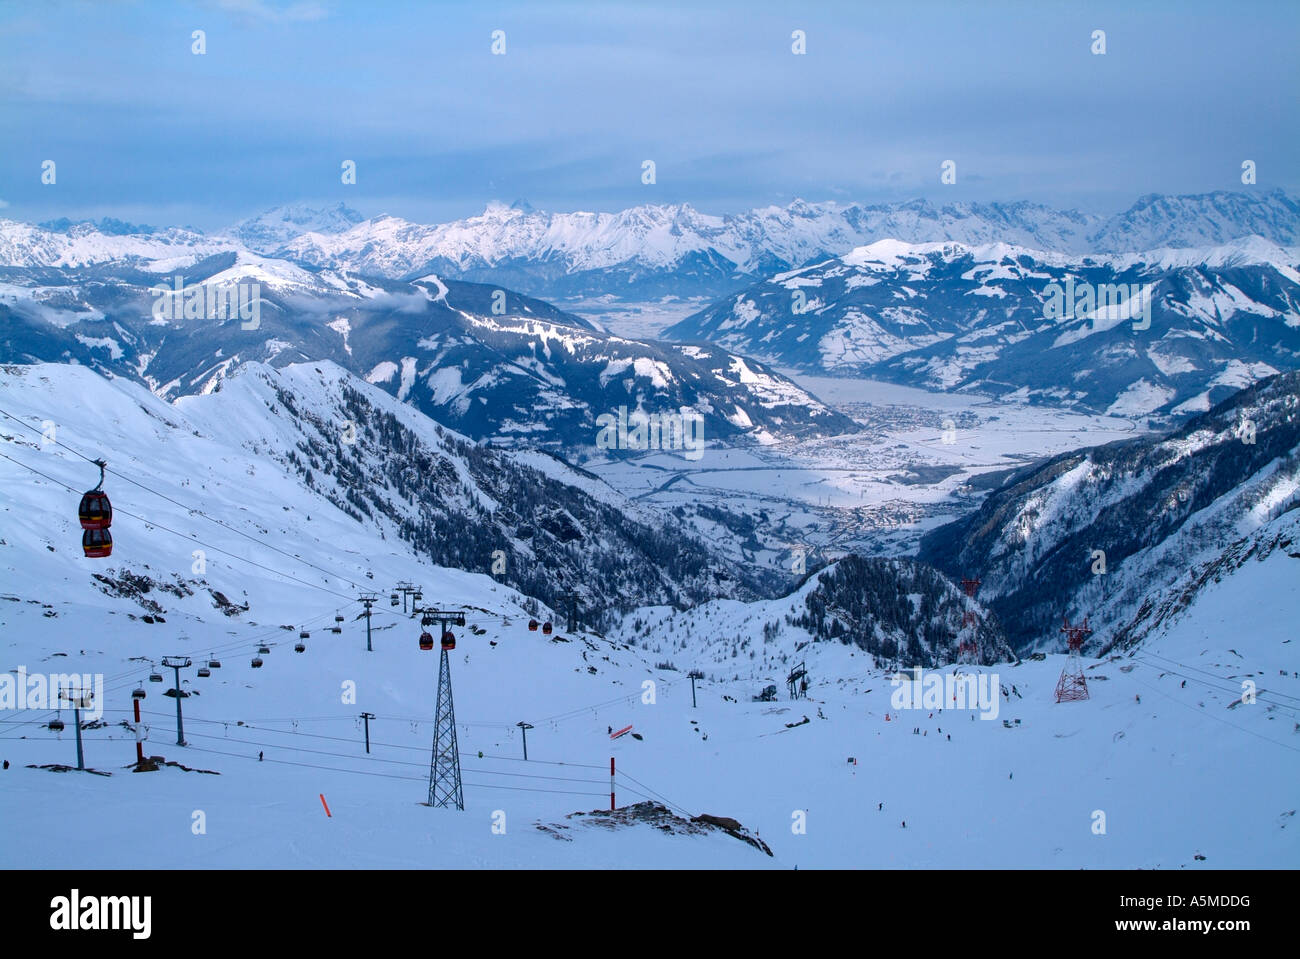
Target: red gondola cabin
[(97, 543), (95, 512)]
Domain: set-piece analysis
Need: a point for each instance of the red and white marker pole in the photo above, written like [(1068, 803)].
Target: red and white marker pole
[(611, 783)]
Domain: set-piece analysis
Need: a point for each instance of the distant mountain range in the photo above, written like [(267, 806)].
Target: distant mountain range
[(482, 360), (648, 252), (956, 298), (1171, 331)]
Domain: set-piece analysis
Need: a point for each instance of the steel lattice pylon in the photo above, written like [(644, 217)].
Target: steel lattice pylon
[(444, 767), (1073, 686)]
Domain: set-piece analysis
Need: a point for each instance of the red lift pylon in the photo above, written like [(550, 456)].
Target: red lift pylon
[(1072, 686), (966, 651)]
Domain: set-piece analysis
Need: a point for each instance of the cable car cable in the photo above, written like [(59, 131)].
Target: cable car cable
[(188, 509)]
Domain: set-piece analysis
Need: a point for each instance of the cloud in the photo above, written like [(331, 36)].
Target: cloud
[(266, 11)]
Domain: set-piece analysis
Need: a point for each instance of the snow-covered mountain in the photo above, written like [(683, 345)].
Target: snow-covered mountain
[(1168, 331), (480, 359), (271, 230), (1207, 219), (896, 611), (288, 556), (1128, 534), (67, 244), (322, 443), (652, 251)]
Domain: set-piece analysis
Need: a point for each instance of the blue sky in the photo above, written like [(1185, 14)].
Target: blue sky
[(143, 129)]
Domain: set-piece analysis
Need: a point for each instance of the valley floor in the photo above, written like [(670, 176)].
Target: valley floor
[(920, 460)]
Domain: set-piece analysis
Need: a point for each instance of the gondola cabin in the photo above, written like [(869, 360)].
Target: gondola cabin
[(449, 640), (426, 641), (96, 512), (300, 647), (532, 625), (257, 662), (97, 543), (546, 628), (96, 515)]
